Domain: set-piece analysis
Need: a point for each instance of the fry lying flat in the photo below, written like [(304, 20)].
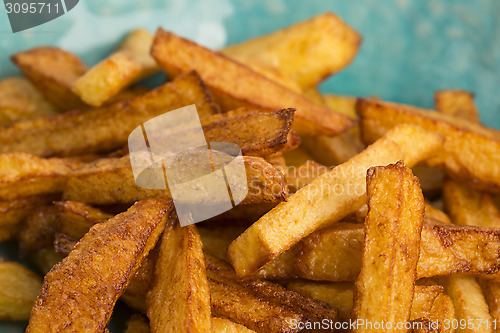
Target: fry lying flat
[(328, 199), (79, 293)]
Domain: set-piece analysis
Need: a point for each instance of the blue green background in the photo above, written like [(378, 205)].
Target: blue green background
[(410, 48)]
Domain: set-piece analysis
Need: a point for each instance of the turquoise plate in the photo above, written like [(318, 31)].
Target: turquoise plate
[(410, 48)]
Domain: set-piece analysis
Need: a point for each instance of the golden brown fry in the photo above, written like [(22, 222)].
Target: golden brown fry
[(65, 302), (259, 304), (19, 100), (131, 63), (431, 180), (435, 216), (491, 292), (304, 174), (53, 71), (334, 254), (220, 325), (179, 299), (332, 150), (326, 200), (471, 309), (105, 128), (63, 244), (109, 181), (18, 289), (257, 134), (458, 103), (296, 157), (467, 206), (385, 285), (308, 51), (343, 104), (470, 152), (76, 218), (23, 175), (137, 324), (281, 268), (38, 231), (177, 55), (216, 240)]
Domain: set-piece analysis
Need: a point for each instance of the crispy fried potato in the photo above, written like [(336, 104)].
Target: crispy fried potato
[(257, 134), (76, 218), (80, 292), (296, 157), (220, 325), (334, 254), (470, 152), (435, 216), (53, 71), (106, 128), (216, 240), (63, 244), (467, 206), (20, 100), (13, 213), (38, 230), (23, 175), (177, 55), (137, 324), (259, 304), (326, 200), (491, 292), (343, 104), (18, 289), (179, 299), (304, 174), (469, 302), (385, 285), (308, 51), (131, 63), (109, 181), (332, 150), (458, 103), (44, 259)]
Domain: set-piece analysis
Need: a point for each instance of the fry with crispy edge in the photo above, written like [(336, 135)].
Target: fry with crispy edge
[(458, 103), (76, 218), (80, 292), (52, 71), (130, 63), (177, 55), (326, 200), (307, 52), (384, 289), (470, 152), (105, 128), (179, 299)]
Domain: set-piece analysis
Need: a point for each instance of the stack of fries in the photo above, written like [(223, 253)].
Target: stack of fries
[(361, 214)]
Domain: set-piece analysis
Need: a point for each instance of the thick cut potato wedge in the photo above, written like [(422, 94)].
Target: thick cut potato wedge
[(53, 71), (131, 63), (458, 103), (177, 55), (220, 325), (179, 299), (20, 100), (259, 304), (470, 152), (23, 175), (76, 218), (137, 324), (326, 200), (109, 181), (18, 289), (334, 254), (307, 52), (471, 309), (80, 292), (105, 128), (385, 285)]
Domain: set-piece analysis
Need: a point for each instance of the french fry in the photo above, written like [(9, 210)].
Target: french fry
[(63, 244), (343, 104), (53, 71), (137, 324), (76, 218), (66, 302), (216, 240), (19, 100), (296, 157), (38, 231), (261, 305), (444, 249), (467, 145), (326, 200), (177, 55), (458, 103), (435, 216), (105, 128), (304, 174), (491, 292), (332, 150), (385, 285), (109, 181), (129, 64), (469, 302), (431, 180), (308, 51), (18, 289), (179, 299), (221, 325), (23, 175)]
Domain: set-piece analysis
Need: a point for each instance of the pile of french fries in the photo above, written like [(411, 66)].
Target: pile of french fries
[(362, 215)]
